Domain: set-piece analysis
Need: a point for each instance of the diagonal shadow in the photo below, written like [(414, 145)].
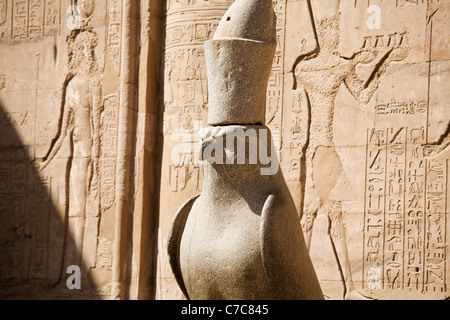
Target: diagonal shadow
[(36, 246)]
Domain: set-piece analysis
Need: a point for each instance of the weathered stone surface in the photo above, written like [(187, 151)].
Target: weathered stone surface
[(189, 25), (239, 59), (385, 113)]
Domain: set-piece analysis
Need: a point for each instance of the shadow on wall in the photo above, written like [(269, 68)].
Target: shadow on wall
[(36, 247)]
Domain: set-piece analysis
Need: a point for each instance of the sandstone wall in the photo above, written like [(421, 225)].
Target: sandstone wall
[(100, 106), (71, 148)]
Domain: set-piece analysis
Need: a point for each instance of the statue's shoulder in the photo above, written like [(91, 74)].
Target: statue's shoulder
[(174, 240)]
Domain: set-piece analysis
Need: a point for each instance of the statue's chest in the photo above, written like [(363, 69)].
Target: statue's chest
[(221, 254)]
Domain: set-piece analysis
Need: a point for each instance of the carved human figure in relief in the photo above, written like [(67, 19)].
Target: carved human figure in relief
[(321, 74), (79, 126)]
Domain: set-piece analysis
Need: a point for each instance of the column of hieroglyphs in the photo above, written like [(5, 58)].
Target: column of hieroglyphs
[(377, 159), (148, 150), (357, 102), (412, 121)]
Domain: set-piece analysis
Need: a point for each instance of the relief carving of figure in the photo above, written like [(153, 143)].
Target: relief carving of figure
[(320, 74), (79, 126)]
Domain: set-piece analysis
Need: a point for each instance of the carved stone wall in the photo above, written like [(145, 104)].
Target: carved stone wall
[(100, 107), (377, 158), (58, 147), (356, 101), (63, 182)]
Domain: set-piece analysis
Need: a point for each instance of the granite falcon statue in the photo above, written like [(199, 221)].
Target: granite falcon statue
[(241, 238)]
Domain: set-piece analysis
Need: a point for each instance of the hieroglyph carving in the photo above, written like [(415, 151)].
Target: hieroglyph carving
[(188, 25), (114, 32), (276, 80), (405, 196), (321, 74), (80, 126), (2, 81), (3, 18), (232, 229), (404, 219), (3, 12), (25, 206), (29, 19), (406, 201)]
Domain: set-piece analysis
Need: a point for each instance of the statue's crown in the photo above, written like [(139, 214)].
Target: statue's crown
[(239, 59), (248, 20)]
